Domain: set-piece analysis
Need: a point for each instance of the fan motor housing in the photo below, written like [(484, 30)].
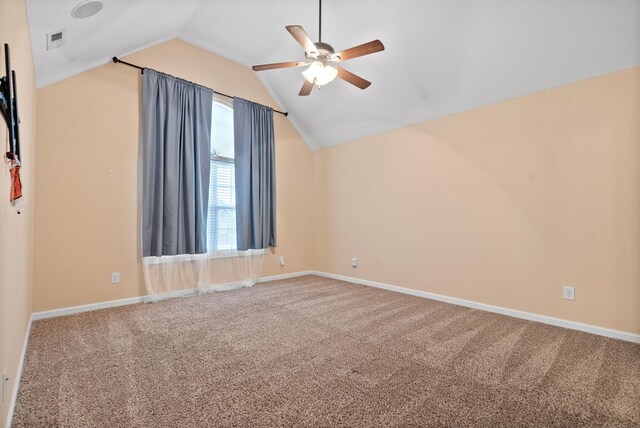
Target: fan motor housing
[(325, 50)]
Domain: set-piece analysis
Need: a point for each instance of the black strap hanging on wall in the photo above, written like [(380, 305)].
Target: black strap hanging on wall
[(16, 132), (9, 110), (9, 106)]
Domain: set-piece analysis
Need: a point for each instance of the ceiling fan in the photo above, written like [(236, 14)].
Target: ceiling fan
[(321, 59)]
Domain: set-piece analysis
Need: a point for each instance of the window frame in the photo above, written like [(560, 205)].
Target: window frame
[(220, 254), (224, 254), (216, 158)]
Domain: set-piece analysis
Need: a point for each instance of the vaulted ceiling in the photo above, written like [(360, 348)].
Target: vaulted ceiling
[(441, 57)]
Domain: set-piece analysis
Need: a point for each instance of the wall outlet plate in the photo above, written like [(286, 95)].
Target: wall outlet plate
[(354, 262), (569, 293), (115, 277)]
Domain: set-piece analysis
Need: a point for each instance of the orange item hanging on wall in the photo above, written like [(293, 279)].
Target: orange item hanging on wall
[(16, 184)]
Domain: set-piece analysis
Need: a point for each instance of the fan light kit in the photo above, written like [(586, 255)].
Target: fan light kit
[(320, 73), (321, 59)]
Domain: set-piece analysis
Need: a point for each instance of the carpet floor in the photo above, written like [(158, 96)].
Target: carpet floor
[(312, 351)]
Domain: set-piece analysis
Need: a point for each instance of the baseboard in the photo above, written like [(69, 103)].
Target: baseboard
[(85, 308), (132, 300), (601, 331), (285, 276), (16, 384)]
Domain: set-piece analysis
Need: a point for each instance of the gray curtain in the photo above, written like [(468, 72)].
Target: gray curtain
[(175, 167), (255, 175)]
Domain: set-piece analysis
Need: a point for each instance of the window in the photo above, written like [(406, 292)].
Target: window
[(221, 227)]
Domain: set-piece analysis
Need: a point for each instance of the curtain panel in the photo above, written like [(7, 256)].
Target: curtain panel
[(254, 148), (175, 165), (192, 274)]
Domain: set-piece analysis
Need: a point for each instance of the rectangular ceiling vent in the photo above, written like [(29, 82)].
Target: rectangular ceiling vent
[(56, 39)]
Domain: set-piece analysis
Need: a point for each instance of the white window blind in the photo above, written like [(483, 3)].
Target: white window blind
[(221, 226)]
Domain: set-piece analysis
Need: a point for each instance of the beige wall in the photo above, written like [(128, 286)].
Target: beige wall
[(502, 205), (16, 230), (86, 223)]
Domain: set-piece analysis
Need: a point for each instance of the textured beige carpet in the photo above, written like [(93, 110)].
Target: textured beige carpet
[(311, 351)]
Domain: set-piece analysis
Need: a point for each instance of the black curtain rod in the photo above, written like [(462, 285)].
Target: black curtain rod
[(116, 60)]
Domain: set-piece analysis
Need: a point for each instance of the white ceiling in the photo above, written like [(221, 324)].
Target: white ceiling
[(441, 57)]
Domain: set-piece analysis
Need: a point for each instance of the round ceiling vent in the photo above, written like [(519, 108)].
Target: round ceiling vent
[(86, 9)]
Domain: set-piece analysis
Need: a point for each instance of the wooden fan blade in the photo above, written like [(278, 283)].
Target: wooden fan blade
[(360, 50), (303, 39), (263, 67), (306, 88), (354, 79)]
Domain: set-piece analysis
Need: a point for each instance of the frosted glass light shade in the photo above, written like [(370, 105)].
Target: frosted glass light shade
[(320, 74)]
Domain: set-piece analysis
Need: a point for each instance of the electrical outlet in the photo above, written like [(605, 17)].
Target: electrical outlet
[(5, 384), (115, 277), (281, 261), (354, 262), (569, 293)]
